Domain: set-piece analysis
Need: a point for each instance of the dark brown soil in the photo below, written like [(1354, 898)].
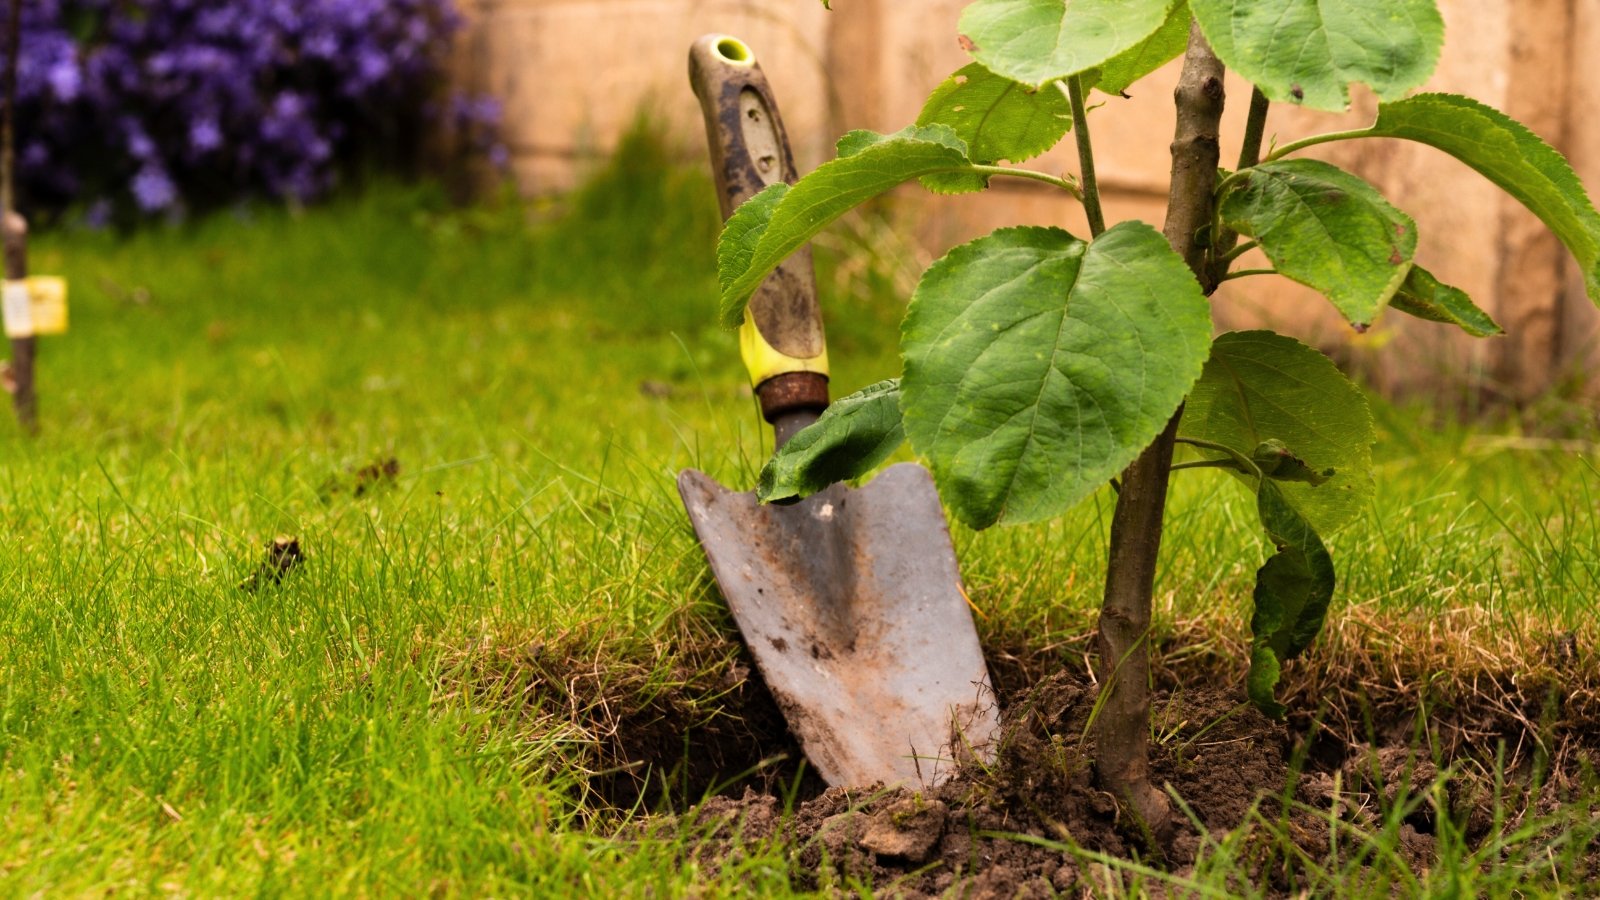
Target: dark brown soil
[(652, 741), (1002, 831), (1356, 748)]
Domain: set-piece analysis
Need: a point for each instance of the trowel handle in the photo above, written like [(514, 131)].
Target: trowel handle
[(781, 340)]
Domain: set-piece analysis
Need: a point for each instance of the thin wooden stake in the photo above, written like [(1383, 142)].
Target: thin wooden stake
[(14, 230)]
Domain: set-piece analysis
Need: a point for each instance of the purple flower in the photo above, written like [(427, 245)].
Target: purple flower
[(65, 80), (204, 135), (153, 190), (160, 105), (139, 144)]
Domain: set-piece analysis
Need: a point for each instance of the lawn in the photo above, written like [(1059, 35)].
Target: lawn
[(432, 700)]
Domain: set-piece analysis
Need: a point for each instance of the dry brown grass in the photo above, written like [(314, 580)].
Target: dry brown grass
[(663, 722)]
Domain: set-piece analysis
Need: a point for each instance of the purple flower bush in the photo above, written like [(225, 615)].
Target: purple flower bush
[(140, 107)]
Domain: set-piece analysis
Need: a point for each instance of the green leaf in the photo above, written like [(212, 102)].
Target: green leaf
[(743, 231), (1168, 43), (1508, 154), (1037, 366), (1259, 387), (1038, 41), (1308, 51), (959, 181), (1327, 229), (1262, 681), (997, 117), (1291, 595), (868, 165), (1426, 297), (855, 434)]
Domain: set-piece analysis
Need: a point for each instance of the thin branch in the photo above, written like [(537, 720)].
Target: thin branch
[(1255, 128), (1091, 187)]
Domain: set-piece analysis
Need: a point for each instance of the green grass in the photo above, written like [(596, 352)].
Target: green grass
[(540, 378)]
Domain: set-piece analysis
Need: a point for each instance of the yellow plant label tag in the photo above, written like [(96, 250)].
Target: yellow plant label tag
[(17, 304), (47, 301), (34, 306)]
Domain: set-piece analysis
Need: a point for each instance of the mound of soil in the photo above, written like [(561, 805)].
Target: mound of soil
[(660, 735), (1004, 830)]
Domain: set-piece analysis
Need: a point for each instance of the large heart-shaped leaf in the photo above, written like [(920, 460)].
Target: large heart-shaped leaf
[(1291, 595), (1259, 387), (1508, 154), (1037, 366), (1000, 119), (1425, 297), (1308, 51), (1038, 41), (775, 223), (855, 434), (1327, 229)]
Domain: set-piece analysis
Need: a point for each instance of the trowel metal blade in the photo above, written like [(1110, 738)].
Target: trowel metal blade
[(851, 603)]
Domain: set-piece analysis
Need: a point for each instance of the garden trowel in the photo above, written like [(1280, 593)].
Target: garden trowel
[(850, 600)]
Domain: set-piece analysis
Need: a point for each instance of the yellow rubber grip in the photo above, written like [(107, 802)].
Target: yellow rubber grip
[(764, 361)]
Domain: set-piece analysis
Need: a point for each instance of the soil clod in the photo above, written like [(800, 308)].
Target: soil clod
[(906, 830), (283, 554)]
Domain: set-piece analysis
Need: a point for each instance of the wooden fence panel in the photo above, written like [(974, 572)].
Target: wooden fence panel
[(573, 73)]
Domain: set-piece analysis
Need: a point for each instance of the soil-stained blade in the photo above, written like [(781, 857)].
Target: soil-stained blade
[(851, 603)]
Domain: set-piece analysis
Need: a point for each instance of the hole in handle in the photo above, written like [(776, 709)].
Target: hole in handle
[(734, 50)]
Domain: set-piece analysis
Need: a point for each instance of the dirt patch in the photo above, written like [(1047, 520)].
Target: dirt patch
[(656, 733), (1003, 830), (1375, 743), (1017, 828)]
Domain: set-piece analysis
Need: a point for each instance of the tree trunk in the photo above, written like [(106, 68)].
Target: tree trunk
[(1122, 730)]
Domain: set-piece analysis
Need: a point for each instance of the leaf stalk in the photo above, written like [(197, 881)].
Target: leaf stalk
[(1315, 139), (1235, 460), (1080, 129), (1030, 174), (1235, 253), (1246, 273)]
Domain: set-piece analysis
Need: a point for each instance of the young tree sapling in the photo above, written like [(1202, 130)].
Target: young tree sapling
[(1038, 365)]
